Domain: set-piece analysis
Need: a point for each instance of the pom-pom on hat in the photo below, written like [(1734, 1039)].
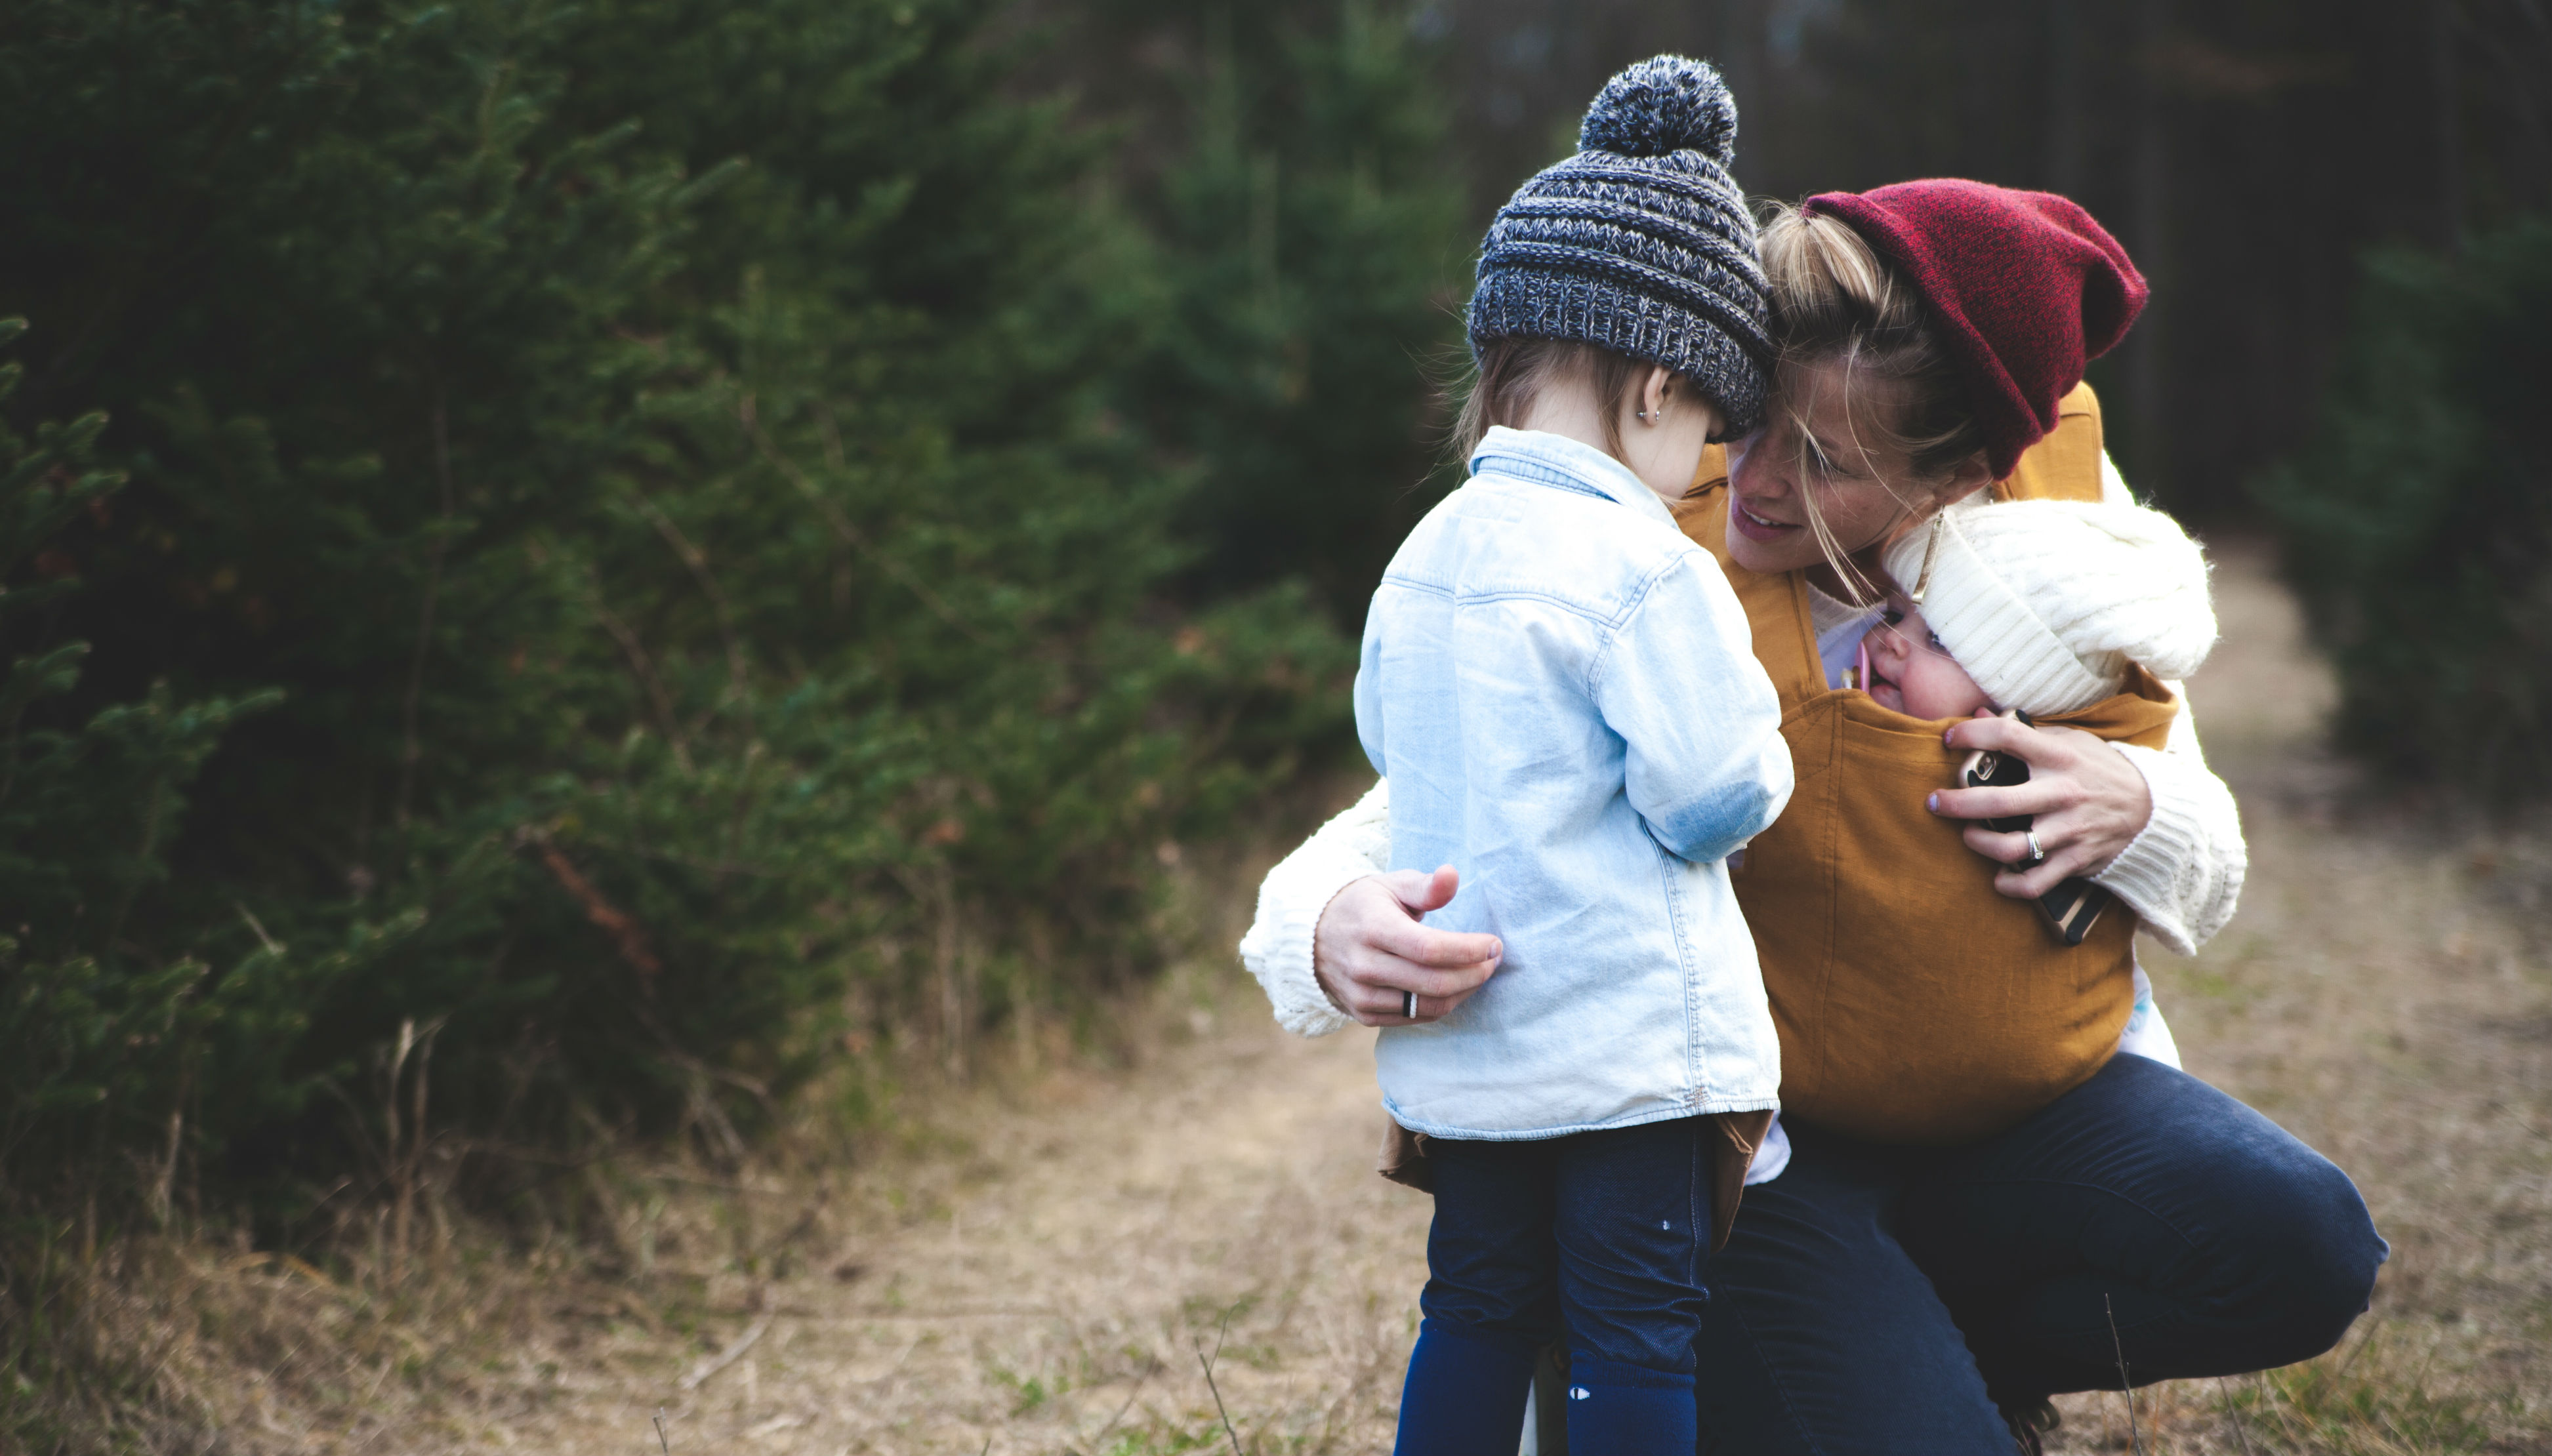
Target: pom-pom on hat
[(1641, 243), (2024, 287), (2044, 602)]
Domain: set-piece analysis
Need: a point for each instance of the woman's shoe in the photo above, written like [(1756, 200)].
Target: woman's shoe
[(2030, 1426)]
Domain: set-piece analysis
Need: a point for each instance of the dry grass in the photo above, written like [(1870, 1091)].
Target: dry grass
[(1039, 1262), (2384, 995), (1039, 1266)]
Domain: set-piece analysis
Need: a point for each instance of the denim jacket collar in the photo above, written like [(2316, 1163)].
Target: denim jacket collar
[(1555, 460)]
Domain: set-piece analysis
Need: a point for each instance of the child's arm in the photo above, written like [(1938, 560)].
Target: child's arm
[(1704, 759)]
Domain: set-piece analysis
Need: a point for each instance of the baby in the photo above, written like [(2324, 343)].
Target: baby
[(2040, 605)]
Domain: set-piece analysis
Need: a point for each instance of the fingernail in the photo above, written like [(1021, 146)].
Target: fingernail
[(1948, 738), (1932, 802)]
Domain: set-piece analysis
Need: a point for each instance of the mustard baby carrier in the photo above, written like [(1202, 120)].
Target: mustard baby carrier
[(1915, 1005)]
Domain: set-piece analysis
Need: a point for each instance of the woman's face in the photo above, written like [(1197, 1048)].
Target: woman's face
[(1809, 443)]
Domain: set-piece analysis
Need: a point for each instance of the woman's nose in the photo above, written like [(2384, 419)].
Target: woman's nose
[(1755, 469)]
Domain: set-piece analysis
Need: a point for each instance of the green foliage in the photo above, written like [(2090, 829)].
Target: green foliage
[(1317, 257), (636, 559), (86, 811), (2419, 524)]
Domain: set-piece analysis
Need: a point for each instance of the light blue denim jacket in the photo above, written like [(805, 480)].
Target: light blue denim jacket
[(1563, 692)]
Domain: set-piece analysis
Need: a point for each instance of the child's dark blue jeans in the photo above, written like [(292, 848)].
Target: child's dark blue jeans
[(1602, 1236)]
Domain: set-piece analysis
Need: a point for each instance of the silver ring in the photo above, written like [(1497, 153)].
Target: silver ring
[(1409, 1005), (2037, 856)]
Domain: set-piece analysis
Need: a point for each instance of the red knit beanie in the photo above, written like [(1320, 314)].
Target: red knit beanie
[(2024, 285)]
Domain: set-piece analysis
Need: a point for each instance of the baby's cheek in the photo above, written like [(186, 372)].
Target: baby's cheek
[(1945, 690)]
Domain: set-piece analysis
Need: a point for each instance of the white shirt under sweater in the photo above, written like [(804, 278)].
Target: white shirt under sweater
[(2182, 876)]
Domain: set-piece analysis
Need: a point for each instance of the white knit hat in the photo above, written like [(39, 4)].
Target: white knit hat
[(2044, 602)]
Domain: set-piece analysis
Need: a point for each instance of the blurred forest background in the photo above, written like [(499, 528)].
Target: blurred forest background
[(586, 574)]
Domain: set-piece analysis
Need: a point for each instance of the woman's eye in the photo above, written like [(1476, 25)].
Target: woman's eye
[(1934, 637), (1891, 616)]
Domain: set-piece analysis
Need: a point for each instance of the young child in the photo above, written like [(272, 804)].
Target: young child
[(1560, 688)]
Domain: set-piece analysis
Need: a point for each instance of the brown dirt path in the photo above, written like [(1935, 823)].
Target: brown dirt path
[(1059, 1299)]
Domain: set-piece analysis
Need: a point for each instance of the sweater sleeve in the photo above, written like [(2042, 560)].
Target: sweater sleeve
[(1278, 948), (2183, 874)]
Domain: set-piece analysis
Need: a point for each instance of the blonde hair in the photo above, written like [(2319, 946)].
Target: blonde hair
[(1513, 373), (1835, 301)]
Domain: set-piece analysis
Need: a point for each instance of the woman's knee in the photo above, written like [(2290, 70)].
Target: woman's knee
[(2305, 1254)]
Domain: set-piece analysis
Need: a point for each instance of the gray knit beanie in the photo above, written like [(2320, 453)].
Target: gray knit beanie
[(1641, 243)]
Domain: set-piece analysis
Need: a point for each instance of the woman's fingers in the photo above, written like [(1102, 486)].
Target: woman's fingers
[(2037, 797), (1423, 944), (1379, 1005), (2051, 759), (2032, 746), (1442, 969), (1369, 950), (1377, 995), (2086, 802), (2020, 879), (1419, 893)]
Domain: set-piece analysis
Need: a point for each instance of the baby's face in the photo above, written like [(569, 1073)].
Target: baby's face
[(1911, 672)]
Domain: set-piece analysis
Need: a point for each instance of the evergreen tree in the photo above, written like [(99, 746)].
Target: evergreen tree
[(1313, 262), (2419, 525), (630, 497)]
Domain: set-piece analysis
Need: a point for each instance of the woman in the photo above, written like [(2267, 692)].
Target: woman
[(1879, 1296)]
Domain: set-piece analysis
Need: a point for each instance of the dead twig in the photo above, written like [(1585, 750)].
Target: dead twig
[(645, 668), (702, 1371), (628, 937), (2233, 1409), (2135, 1439), (1146, 1374), (698, 563), (1210, 1385), (660, 1438)]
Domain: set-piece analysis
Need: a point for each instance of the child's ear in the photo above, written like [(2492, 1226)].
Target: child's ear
[(1655, 390)]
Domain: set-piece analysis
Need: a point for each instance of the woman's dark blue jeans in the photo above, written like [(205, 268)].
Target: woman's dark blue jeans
[(1877, 1299)]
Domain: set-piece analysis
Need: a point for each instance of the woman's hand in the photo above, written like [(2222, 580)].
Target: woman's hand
[(2087, 801), (1369, 948)]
